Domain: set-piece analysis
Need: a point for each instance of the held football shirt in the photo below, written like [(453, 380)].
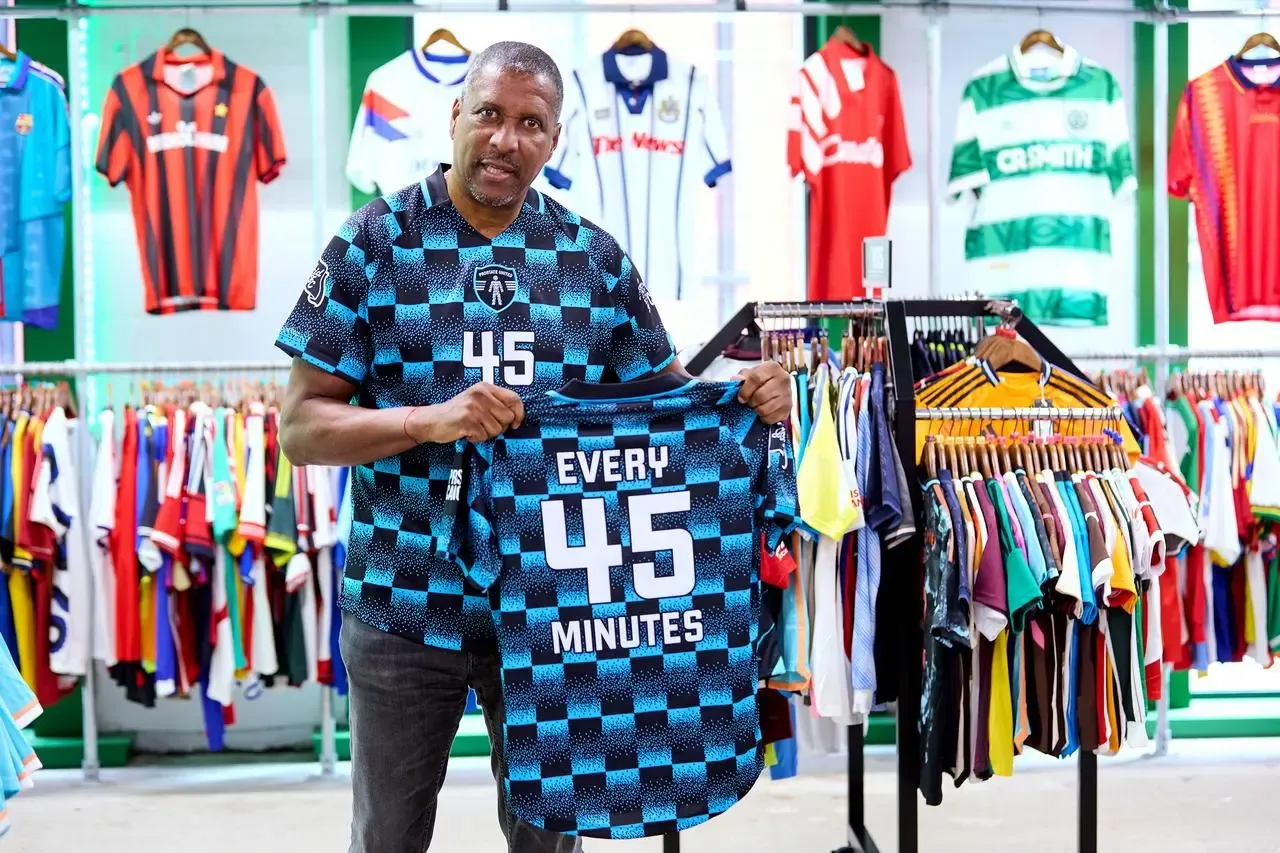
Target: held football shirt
[(192, 138), (848, 139), (1223, 158), (401, 131), (35, 185), (642, 131), (622, 525), (412, 306), (1042, 142)]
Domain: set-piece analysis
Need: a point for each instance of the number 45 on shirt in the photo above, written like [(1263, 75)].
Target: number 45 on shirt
[(480, 350)]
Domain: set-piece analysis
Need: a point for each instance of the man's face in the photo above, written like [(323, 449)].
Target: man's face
[(504, 131)]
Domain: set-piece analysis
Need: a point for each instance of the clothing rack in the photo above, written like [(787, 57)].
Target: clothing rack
[(905, 587), (1019, 414), (88, 370)]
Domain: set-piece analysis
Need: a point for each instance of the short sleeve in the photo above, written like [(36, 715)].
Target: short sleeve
[(815, 97), (1119, 145), (329, 324), (968, 164), (1180, 160), (897, 152), (269, 152), (640, 344), (119, 135), (473, 542), (777, 507), (714, 150)]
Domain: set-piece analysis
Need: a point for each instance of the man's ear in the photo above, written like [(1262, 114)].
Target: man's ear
[(555, 141), (453, 119)]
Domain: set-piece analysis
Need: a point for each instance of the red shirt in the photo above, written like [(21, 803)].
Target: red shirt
[(848, 139), (192, 158), (1225, 158)]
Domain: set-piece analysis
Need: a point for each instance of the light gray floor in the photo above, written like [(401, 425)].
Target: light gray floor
[(1206, 797)]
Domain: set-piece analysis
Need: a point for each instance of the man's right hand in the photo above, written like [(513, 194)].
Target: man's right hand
[(481, 412)]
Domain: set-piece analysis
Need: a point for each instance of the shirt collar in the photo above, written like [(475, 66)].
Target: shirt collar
[(165, 57), (657, 71), (1238, 66), (436, 190), (1031, 69), (21, 68)]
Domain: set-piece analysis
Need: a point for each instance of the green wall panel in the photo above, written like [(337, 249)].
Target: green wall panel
[(371, 42)]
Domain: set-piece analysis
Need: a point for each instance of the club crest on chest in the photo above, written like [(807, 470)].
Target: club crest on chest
[(495, 286)]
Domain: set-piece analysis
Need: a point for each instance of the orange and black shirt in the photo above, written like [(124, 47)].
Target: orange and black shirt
[(192, 138)]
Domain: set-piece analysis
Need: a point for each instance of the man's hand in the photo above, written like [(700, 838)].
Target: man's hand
[(766, 388), (479, 413)]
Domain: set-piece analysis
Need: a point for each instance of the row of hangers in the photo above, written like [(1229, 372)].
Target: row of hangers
[(1047, 39), (235, 394), (39, 398), (862, 344), (1122, 381), (995, 455), (1223, 383)]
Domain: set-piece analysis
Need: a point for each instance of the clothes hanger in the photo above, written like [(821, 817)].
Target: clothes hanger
[(846, 36), (6, 53), (631, 39), (1041, 37), (444, 34), (1259, 39), (187, 36)]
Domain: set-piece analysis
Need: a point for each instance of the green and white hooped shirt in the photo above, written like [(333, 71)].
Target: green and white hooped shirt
[(1043, 144)]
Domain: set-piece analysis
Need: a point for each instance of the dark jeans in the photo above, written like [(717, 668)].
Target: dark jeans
[(406, 702)]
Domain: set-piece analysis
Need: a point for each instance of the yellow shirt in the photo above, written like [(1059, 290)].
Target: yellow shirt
[(1000, 721), (21, 599), (974, 384)]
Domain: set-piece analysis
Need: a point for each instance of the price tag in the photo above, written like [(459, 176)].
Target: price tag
[(877, 265)]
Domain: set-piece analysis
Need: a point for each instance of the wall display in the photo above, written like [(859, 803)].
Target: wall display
[(35, 186), (1042, 145), (658, 730), (401, 130), (848, 139), (192, 133), (642, 132), (1223, 159), (222, 575)]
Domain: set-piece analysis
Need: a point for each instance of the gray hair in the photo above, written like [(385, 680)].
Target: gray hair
[(521, 58)]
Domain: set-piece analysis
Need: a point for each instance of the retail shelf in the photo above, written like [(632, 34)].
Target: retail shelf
[(67, 753)]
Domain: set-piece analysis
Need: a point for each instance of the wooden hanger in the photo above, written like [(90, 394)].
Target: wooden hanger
[(1260, 39), (844, 35), (1043, 37), (187, 36), (1004, 348), (6, 52), (633, 38), (444, 34)]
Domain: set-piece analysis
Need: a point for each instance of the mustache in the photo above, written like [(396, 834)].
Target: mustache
[(498, 160)]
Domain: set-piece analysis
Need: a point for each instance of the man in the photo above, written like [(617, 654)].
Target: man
[(437, 308)]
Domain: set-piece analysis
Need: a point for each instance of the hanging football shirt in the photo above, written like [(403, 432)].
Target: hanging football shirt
[(847, 137), (622, 525), (192, 138), (401, 131), (1223, 158), (1043, 145), (35, 184), (642, 131)]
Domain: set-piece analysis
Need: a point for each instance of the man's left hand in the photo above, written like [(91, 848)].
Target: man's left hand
[(766, 388)]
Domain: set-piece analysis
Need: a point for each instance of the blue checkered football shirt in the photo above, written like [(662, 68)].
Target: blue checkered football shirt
[(413, 306), (623, 526)]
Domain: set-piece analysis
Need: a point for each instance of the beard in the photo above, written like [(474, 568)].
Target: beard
[(490, 199)]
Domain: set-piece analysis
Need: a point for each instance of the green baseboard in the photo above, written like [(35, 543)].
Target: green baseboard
[(67, 753), (471, 741), (1250, 715), (882, 730)]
